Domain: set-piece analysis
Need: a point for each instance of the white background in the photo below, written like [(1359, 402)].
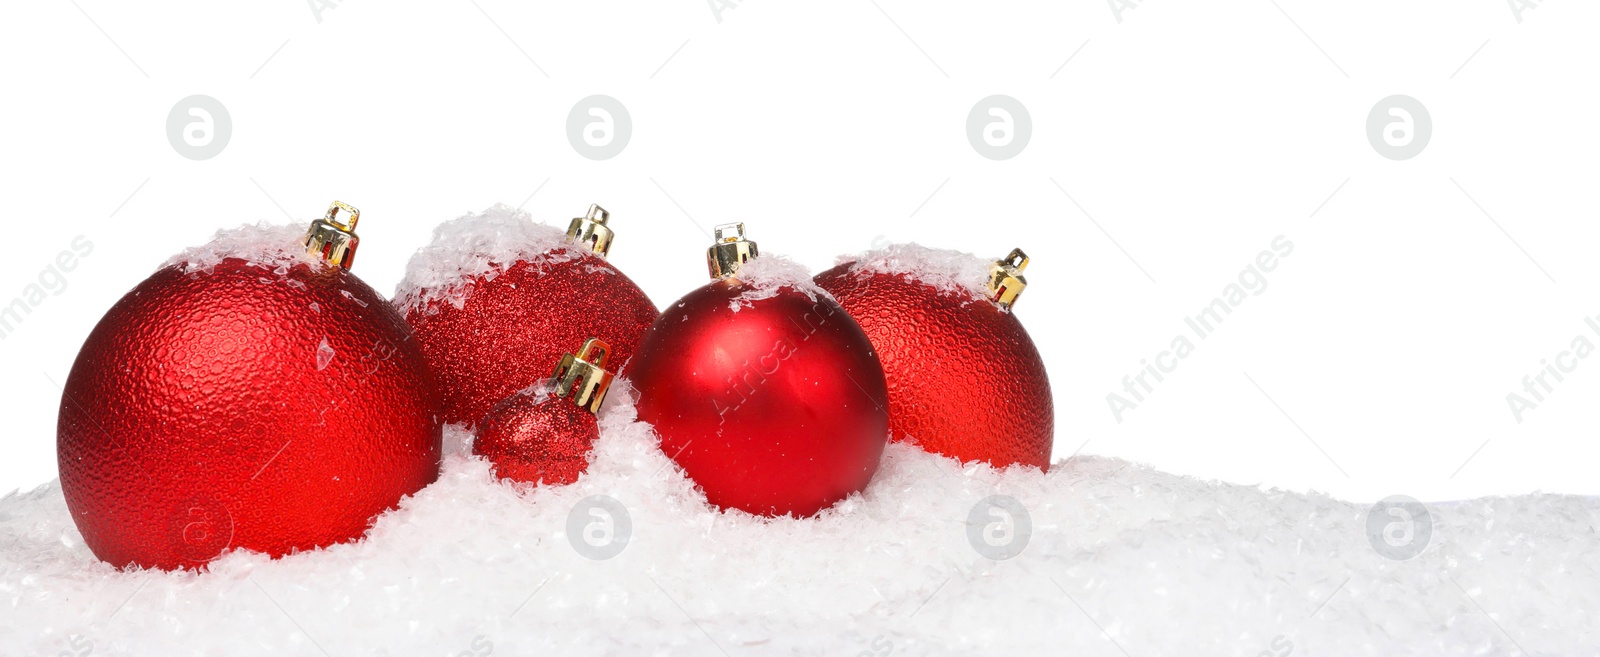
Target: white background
[(1191, 134)]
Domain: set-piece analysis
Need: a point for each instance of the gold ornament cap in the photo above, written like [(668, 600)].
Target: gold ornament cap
[(591, 230), (1005, 278), (584, 376), (730, 251), (331, 240)]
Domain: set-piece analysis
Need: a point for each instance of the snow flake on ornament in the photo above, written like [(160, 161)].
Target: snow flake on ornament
[(765, 275), (945, 270), (325, 354), (270, 247), (477, 245), (347, 295)]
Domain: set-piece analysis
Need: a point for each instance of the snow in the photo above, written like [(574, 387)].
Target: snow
[(477, 245), (276, 247), (539, 390), (765, 274), (1118, 559), (325, 353), (944, 269)]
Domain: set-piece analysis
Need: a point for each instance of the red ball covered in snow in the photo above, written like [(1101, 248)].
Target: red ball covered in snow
[(964, 378), (497, 298), (766, 393), (246, 396)]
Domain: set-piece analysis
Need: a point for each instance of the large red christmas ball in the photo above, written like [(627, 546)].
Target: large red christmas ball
[(965, 380), (767, 394), (496, 298), (245, 396)]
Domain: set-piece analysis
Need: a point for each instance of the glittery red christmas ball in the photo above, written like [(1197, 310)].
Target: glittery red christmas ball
[(536, 437), (965, 380), (769, 398), (497, 298), (247, 396)]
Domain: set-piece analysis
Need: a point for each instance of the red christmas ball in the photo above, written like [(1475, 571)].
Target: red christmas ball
[(536, 437), (496, 298), (965, 380), (245, 396), (539, 435), (765, 391)]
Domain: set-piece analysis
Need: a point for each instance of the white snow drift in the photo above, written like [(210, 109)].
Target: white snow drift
[(1114, 559)]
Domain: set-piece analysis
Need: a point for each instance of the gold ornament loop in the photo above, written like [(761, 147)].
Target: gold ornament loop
[(729, 252), (332, 240), (584, 375), (591, 230), (1005, 278)]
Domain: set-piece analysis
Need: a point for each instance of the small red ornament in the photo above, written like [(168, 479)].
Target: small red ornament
[(964, 378), (249, 396), (492, 302), (762, 388), (538, 435)]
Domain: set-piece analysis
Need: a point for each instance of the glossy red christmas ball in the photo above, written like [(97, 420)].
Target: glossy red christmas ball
[(536, 437), (771, 400), (497, 298), (247, 396), (965, 379)]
